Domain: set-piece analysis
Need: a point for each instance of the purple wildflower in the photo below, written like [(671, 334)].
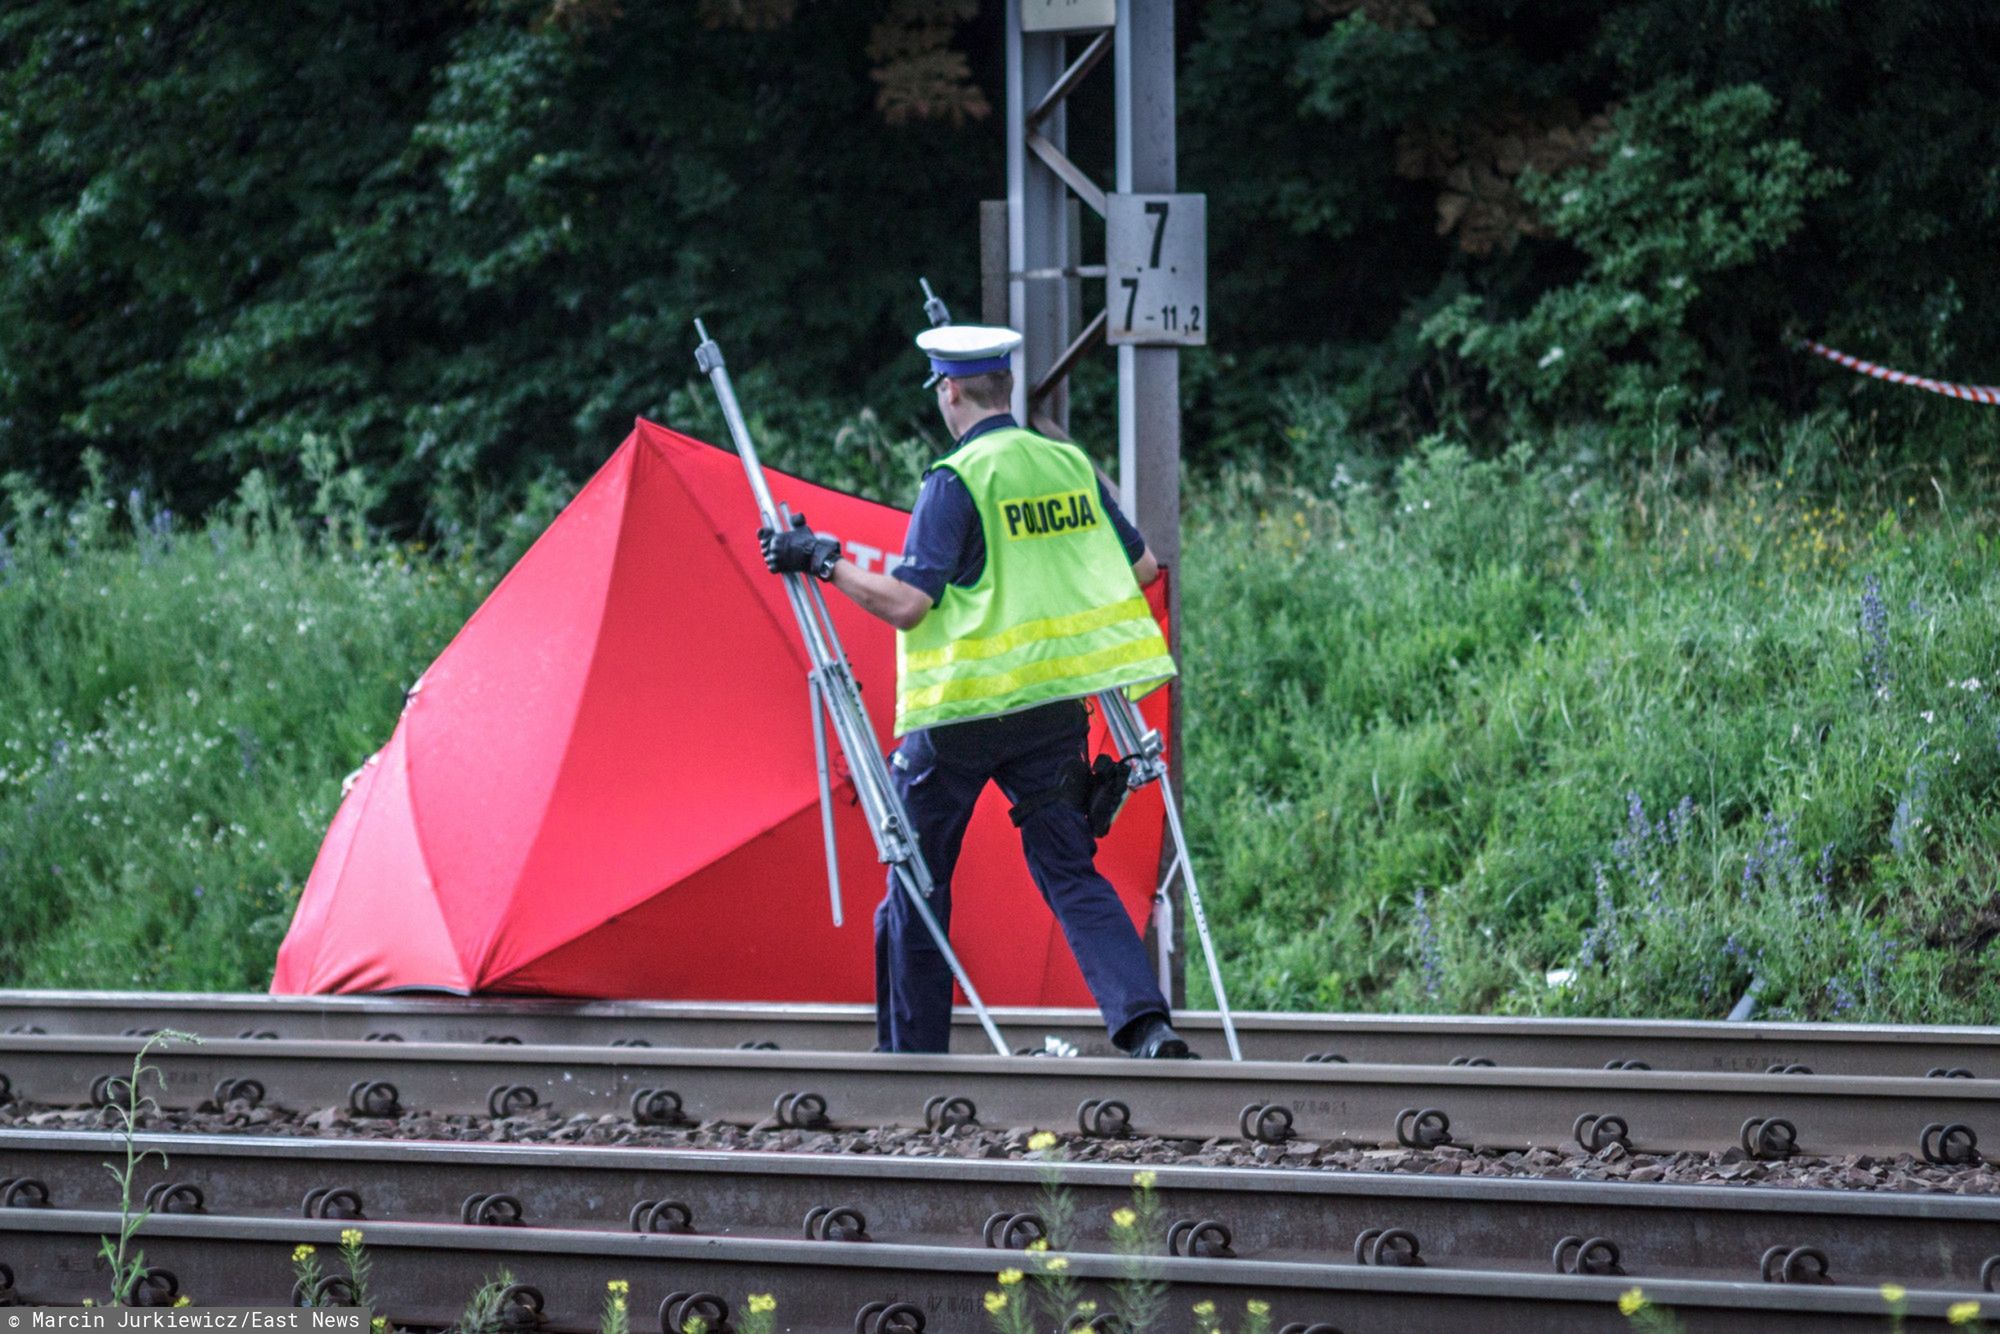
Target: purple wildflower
[(1875, 635), (1430, 957)]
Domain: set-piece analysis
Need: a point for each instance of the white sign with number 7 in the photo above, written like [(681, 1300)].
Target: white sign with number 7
[(1156, 269)]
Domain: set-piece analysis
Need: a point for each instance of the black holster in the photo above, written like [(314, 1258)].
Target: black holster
[(1097, 789)]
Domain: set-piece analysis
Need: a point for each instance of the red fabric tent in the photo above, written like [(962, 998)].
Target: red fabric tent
[(604, 786)]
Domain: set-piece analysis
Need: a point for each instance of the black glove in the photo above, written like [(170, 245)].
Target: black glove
[(799, 550)]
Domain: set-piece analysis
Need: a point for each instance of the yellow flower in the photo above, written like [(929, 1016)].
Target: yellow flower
[(1009, 1277), (184, 1300), (618, 1304), (1258, 1308), (1040, 1140), (301, 1252), (1055, 1264), (350, 1236), (1204, 1309), (380, 1325), (1632, 1302), (1893, 1293), (996, 1302), (1123, 1218), (762, 1302), (1962, 1313), (1144, 1180), (1086, 1308), (619, 1285), (1039, 1244)]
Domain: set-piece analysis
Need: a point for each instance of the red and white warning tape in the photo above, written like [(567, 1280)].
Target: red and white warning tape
[(1976, 393)]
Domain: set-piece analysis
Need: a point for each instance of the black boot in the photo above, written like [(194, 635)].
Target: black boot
[(1155, 1040)]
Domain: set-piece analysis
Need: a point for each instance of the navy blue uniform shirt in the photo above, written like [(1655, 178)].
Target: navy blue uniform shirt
[(946, 545)]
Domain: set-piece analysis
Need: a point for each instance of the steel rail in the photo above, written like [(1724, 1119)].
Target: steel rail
[(1514, 1224), (1857, 1049), (423, 1272), (1370, 1104)]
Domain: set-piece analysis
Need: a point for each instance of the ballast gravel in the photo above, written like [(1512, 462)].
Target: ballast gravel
[(1903, 1172)]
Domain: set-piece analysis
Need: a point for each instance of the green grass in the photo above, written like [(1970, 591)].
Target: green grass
[(1446, 734), (1508, 721), (176, 713)]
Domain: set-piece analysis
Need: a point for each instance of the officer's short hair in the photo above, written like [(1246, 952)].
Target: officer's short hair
[(993, 391)]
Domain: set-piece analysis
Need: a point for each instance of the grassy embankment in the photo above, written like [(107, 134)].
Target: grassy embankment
[(1667, 735)]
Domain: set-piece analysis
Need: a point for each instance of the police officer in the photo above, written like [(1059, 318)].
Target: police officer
[(1017, 599)]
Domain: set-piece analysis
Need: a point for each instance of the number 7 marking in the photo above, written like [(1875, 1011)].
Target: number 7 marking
[(1157, 207), (1131, 286)]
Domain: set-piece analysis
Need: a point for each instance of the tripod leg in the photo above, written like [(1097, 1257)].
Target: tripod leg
[(1163, 924), (930, 921), (816, 695), (1200, 917)]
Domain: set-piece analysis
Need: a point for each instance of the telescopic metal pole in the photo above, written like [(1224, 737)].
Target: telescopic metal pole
[(832, 686)]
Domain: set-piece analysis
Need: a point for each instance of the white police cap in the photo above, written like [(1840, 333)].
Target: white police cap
[(967, 349)]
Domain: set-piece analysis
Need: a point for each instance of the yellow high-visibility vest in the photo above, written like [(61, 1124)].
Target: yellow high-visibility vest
[(1056, 613)]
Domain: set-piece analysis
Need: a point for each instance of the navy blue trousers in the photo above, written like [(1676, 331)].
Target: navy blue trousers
[(940, 773)]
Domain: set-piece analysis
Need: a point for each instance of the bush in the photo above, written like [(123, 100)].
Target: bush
[(1689, 190)]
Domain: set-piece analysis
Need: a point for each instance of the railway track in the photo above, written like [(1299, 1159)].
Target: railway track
[(1647, 1232), (1764, 1116), (1848, 1049), (1328, 1250), (423, 1271)]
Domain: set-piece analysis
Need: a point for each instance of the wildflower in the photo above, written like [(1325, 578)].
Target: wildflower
[(184, 1300), (1009, 1277), (1257, 1308), (1055, 1264), (1039, 1244), (1145, 1180), (762, 1303), (1893, 1293), (1875, 634), (1086, 1308), (350, 1236), (619, 1286), (1204, 1309), (1632, 1301), (1123, 1218), (1961, 1313), (380, 1325), (1041, 1140), (1429, 956), (301, 1252), (996, 1302)]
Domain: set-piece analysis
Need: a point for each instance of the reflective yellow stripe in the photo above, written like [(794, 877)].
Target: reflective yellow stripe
[(1038, 650), (1050, 627), (1050, 669)]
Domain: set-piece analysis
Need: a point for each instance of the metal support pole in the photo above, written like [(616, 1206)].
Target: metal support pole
[(1044, 266), (1149, 378), (1037, 221)]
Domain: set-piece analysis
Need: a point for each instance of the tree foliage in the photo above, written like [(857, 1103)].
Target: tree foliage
[(1689, 189), (457, 244)]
